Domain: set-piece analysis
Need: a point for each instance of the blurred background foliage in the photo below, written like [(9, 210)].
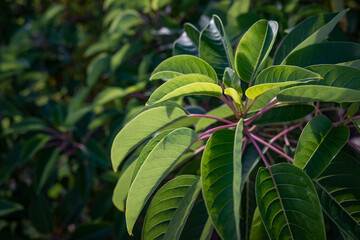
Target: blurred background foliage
[(72, 72)]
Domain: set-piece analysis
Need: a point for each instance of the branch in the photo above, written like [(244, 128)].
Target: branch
[(211, 117), (258, 149)]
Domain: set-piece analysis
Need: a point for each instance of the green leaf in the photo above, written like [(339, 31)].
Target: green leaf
[(196, 222), (93, 230), (338, 76), (236, 97), (164, 205), (188, 42), (263, 99), (215, 47), (124, 21), (40, 214), (147, 150), (231, 80), (123, 54), (217, 173), (311, 93), (154, 169), (279, 76), (326, 53), (207, 231), (222, 111), (46, 168), (258, 231), (151, 120), (122, 186), (237, 177), (283, 114), (183, 64), (311, 31), (318, 144), (187, 84), (25, 126), (254, 47), (288, 204), (7, 207), (181, 214), (356, 123), (96, 67), (32, 146), (338, 190)]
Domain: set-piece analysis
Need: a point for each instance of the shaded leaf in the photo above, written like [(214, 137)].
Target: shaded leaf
[(338, 189), (254, 47), (310, 31), (326, 53), (222, 111), (318, 144), (258, 231), (40, 214), (231, 80), (96, 67), (288, 204), (188, 42), (215, 47), (7, 207), (217, 173)]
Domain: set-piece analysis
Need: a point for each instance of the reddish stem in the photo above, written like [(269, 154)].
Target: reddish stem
[(257, 148), (217, 128), (199, 149), (211, 117), (265, 109), (285, 132)]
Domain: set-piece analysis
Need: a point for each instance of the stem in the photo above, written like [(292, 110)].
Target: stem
[(231, 106), (212, 117), (247, 109), (285, 132), (217, 128), (272, 147), (257, 148), (354, 146), (261, 112), (199, 149), (356, 117), (203, 137)]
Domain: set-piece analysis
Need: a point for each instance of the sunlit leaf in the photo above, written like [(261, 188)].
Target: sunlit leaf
[(152, 119), (154, 169)]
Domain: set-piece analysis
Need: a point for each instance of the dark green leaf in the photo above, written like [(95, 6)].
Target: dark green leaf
[(288, 204), (7, 207)]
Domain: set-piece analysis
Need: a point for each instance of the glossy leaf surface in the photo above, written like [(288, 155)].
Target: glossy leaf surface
[(214, 46), (318, 145), (288, 203), (338, 189), (254, 47), (217, 173), (155, 167)]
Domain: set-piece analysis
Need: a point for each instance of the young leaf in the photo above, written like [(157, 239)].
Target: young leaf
[(311, 31), (231, 80), (178, 220), (217, 173), (318, 145), (164, 205), (188, 42), (288, 204), (279, 76), (183, 64), (215, 47), (326, 53), (234, 95), (254, 47), (154, 169), (152, 120), (187, 84), (338, 190)]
